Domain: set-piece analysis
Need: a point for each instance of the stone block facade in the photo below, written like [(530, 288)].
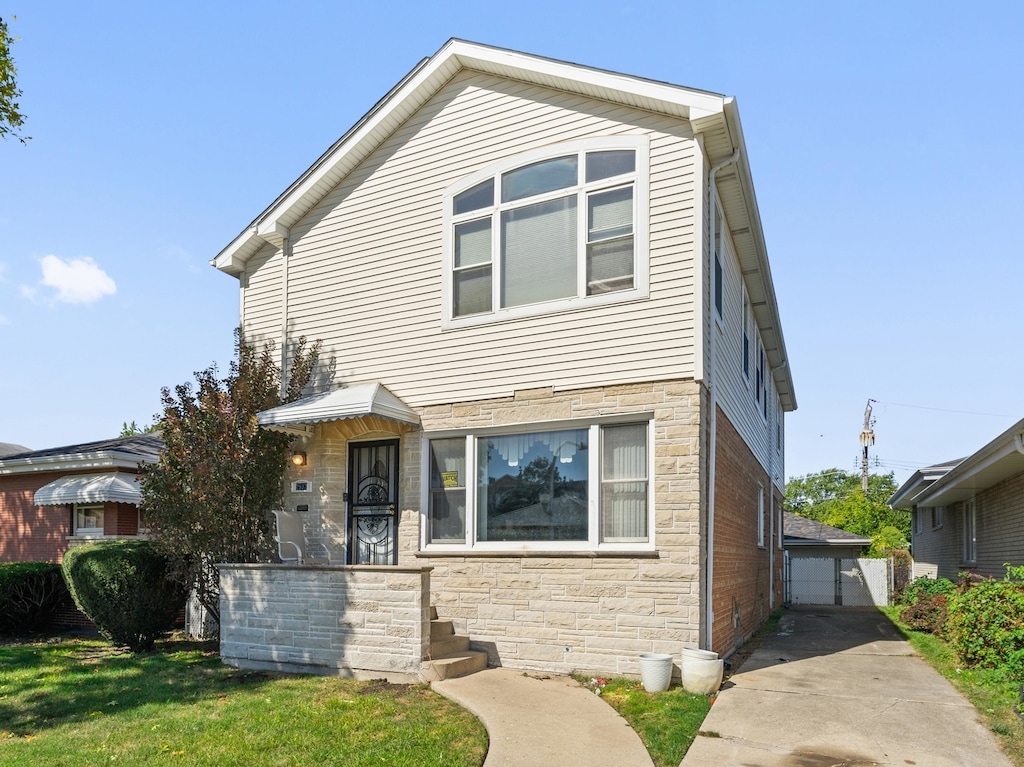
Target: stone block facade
[(344, 621), (584, 611)]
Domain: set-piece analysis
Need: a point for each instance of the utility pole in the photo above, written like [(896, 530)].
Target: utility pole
[(867, 439)]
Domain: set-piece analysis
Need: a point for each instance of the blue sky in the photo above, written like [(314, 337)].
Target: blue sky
[(883, 139)]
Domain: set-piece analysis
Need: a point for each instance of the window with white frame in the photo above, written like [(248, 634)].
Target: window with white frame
[(918, 520), (746, 335), (579, 487), (719, 276), (938, 512), (970, 532), (760, 515), (549, 230), (88, 518)]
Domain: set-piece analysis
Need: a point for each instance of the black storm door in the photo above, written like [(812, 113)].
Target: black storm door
[(373, 503)]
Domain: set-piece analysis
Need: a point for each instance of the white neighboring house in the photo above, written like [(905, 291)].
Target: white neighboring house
[(559, 368)]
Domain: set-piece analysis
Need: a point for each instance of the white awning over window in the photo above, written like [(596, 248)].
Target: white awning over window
[(349, 402), (114, 486)]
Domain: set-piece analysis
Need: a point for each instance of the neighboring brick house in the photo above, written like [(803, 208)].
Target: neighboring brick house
[(54, 498), (59, 497), (968, 515), (560, 368)]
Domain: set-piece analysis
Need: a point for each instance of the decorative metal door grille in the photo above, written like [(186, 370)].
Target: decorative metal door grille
[(373, 504)]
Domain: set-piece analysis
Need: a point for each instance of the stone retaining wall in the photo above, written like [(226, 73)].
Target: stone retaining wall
[(358, 621)]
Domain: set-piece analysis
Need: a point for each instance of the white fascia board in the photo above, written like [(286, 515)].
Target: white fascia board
[(419, 86), (998, 460), (101, 460)]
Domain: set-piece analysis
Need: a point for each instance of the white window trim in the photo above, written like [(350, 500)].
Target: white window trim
[(718, 280), (593, 543), (760, 516), (641, 230), (85, 532), (970, 547)]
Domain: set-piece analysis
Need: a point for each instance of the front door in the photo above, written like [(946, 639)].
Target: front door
[(373, 503)]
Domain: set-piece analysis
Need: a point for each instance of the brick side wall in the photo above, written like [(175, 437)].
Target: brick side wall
[(30, 533), (1000, 534), (345, 621), (742, 580)]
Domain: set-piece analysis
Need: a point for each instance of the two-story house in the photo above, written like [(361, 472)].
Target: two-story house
[(557, 368)]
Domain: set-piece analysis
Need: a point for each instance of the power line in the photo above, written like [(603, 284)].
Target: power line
[(942, 409)]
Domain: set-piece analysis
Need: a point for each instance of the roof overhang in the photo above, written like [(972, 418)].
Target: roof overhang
[(102, 459), (907, 494), (113, 487), (416, 88), (353, 401), (1000, 459), (789, 541)]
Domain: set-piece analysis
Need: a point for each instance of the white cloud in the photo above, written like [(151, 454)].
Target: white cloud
[(77, 280)]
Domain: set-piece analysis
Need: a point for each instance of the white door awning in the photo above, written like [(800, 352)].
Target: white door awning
[(350, 402), (112, 486)]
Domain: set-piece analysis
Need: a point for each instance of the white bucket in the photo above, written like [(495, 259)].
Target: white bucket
[(692, 653), (702, 677), (655, 671)]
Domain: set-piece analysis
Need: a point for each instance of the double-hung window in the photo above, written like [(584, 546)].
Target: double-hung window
[(88, 519), (547, 231), (580, 487)]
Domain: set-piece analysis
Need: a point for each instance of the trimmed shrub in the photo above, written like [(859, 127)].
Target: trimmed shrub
[(928, 613), (926, 588), (986, 625), (122, 586), (29, 593)]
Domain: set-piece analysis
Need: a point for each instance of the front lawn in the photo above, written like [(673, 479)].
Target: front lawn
[(83, 702)]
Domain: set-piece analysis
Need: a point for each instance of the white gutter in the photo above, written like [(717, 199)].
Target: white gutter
[(1018, 442), (712, 408)]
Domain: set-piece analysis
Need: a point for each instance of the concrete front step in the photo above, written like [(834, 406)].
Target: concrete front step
[(449, 655), (452, 666)]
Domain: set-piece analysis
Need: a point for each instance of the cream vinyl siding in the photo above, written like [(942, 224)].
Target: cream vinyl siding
[(365, 274), (261, 296), (736, 394)]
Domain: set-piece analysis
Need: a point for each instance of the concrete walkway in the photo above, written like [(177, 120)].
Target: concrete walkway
[(535, 719), (840, 686)]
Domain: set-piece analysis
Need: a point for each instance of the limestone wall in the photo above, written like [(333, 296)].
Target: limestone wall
[(347, 621)]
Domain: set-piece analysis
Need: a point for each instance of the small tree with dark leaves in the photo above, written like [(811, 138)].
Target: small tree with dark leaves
[(209, 498)]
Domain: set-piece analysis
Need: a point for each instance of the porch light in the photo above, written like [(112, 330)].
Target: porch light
[(299, 458)]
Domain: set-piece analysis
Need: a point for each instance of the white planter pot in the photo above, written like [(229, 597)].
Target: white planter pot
[(702, 677), (655, 671), (692, 653)]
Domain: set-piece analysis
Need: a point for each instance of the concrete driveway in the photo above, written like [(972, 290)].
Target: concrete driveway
[(840, 687)]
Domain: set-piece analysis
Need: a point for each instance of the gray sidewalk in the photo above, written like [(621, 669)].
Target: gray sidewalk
[(535, 719), (840, 686)]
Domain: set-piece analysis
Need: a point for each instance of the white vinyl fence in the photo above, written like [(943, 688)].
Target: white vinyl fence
[(832, 581)]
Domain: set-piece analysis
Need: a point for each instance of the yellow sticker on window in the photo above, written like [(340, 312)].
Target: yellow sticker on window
[(450, 478)]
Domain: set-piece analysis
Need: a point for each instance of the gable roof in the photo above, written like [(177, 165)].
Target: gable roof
[(803, 531), (906, 496), (122, 452), (715, 117), (998, 460)]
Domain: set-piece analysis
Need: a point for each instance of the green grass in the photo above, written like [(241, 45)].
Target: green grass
[(990, 691), (667, 722), (82, 702)]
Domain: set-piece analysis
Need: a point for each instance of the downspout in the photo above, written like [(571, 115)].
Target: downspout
[(713, 415), (777, 415), (286, 252)]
